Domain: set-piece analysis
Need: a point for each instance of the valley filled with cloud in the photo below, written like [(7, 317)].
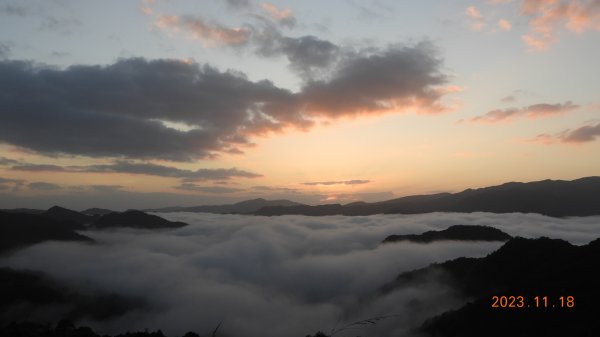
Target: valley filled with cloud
[(275, 276)]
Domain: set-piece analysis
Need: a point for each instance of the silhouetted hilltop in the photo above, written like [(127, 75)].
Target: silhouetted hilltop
[(62, 214), (23, 210), (457, 232), (242, 207), (19, 230), (521, 267), (135, 219), (29, 295), (556, 198), (97, 211), (65, 328)]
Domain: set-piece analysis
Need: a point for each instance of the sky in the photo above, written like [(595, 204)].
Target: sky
[(149, 103)]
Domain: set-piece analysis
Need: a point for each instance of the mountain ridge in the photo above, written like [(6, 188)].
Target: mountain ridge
[(556, 198), (242, 207)]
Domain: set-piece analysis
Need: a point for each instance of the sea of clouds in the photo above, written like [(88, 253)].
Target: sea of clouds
[(277, 276)]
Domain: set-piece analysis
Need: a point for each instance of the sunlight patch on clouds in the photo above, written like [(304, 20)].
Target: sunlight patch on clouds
[(547, 16)]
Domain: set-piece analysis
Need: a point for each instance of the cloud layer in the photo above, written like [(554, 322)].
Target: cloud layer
[(532, 111), (583, 134), (127, 109), (340, 182), (278, 276), (130, 167), (546, 17)]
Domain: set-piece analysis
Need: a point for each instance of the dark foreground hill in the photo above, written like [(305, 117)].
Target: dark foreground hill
[(65, 328), (18, 230), (29, 295), (563, 277), (63, 214), (556, 198), (96, 211), (456, 233), (135, 219), (242, 207)]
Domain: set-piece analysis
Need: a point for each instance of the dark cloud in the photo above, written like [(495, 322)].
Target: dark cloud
[(124, 109), (371, 10), (113, 197), (116, 110), (40, 168), (208, 189), (308, 56), (338, 182), (61, 25), (168, 171), (532, 111), (143, 168), (584, 134), (508, 99), (12, 184), (43, 186), (15, 10), (239, 4), (104, 188), (397, 78), (8, 161), (59, 54)]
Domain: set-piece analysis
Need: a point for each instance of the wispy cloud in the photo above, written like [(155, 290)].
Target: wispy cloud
[(338, 182), (239, 4), (285, 16), (12, 184), (129, 167), (584, 134), (8, 161), (15, 10), (504, 25), (43, 186), (209, 33), (146, 7), (547, 16), (477, 20), (274, 189), (208, 189), (532, 111), (508, 99)]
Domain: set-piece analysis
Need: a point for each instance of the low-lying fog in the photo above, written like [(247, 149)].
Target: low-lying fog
[(276, 276)]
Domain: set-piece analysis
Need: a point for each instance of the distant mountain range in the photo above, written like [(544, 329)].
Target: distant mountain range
[(243, 207), (557, 198)]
